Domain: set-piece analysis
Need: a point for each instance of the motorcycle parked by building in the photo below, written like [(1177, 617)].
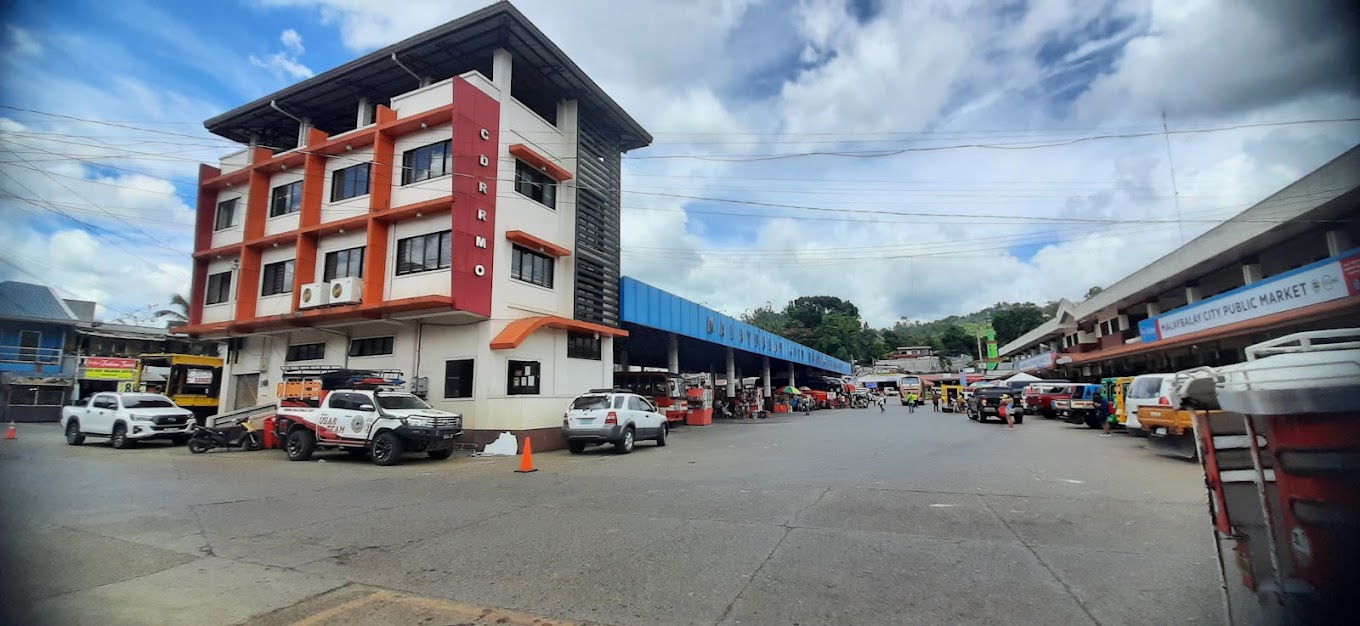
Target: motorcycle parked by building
[(239, 434)]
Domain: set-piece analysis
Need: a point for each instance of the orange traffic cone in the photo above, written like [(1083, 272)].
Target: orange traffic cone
[(526, 461), (11, 433)]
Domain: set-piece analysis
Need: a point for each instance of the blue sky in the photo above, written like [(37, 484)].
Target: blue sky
[(101, 209)]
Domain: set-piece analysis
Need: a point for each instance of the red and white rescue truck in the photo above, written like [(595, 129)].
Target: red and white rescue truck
[(364, 412)]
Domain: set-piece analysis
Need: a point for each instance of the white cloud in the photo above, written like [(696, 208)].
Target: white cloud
[(292, 41), (282, 64), (21, 42)]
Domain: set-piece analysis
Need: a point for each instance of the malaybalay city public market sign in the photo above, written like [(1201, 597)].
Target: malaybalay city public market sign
[(1315, 283)]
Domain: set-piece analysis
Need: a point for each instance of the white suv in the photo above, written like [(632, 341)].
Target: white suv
[(1153, 389), (610, 416)]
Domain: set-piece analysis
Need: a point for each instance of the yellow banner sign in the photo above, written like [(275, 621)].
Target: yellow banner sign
[(108, 374)]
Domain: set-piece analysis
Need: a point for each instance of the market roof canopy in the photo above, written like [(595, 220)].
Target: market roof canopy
[(1021, 376)]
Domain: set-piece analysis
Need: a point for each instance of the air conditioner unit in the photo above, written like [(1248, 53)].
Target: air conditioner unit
[(314, 295), (347, 290)]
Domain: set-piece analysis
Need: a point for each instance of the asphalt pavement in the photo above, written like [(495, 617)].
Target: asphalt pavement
[(841, 517)]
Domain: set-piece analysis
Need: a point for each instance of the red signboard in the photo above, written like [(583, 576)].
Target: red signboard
[(109, 363), (476, 145)]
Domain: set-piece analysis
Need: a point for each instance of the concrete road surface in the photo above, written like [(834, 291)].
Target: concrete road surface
[(842, 517)]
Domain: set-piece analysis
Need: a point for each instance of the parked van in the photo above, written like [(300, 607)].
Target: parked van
[(1154, 389)]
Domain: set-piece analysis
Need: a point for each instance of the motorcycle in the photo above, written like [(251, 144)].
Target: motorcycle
[(239, 435)]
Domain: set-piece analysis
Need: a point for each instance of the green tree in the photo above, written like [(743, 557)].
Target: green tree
[(1094, 290), (1015, 321), (176, 313), (955, 340), (767, 318)]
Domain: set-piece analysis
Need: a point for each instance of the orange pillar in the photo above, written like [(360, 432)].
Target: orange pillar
[(380, 199)]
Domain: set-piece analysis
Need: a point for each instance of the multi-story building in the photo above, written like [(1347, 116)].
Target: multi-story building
[(447, 206)]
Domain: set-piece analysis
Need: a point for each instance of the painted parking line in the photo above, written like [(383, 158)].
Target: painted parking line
[(388, 607)]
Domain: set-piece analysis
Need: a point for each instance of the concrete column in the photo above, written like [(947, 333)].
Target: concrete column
[(765, 374), (731, 373), (361, 120), (1193, 295), (500, 70), (623, 360), (1154, 309), (792, 382), (1251, 273), (1338, 241), (303, 127), (673, 354)]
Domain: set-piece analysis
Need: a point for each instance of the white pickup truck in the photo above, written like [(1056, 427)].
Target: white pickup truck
[(384, 422), (126, 418)]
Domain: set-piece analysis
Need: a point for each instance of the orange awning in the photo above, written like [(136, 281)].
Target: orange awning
[(520, 329), (536, 243), (539, 162)]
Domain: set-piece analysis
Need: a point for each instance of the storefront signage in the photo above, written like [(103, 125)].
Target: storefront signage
[(476, 142), (198, 377), (108, 368), (1036, 363), (1316, 283)]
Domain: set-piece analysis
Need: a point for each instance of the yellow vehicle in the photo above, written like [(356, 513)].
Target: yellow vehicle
[(192, 381), (949, 395), (1114, 389), (1170, 430)]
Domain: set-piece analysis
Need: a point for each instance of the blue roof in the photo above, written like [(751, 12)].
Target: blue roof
[(29, 301), (645, 305)]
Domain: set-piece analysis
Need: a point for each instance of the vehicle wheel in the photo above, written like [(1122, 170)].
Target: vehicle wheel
[(252, 442), (1093, 422), (73, 436), (576, 447), (387, 449), (197, 447), (625, 445), (1020, 419), (1136, 432), (440, 455), (300, 444), (661, 439), (119, 439), (357, 453), (179, 441)]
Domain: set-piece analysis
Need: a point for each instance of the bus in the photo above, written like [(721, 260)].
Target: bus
[(666, 390), (910, 384)]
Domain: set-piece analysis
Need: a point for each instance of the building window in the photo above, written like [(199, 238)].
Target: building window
[(423, 253), (531, 267), (306, 352), (29, 340), (583, 346), (371, 346), (427, 162), (285, 199), (219, 288), (350, 182), (524, 378), (458, 378), (226, 215), (344, 263), (535, 184), (278, 278)]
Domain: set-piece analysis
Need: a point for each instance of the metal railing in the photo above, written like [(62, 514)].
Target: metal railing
[(14, 353)]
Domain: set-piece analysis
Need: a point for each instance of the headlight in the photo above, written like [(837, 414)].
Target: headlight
[(419, 421), (141, 418)]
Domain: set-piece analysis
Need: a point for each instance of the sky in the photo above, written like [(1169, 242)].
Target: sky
[(920, 159)]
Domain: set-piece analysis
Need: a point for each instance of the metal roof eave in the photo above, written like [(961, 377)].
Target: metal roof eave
[(492, 18)]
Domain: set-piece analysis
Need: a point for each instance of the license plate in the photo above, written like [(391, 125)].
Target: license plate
[(446, 436), (1161, 430), (585, 420), (988, 409)]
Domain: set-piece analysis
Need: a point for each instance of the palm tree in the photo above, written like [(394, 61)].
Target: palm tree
[(177, 314)]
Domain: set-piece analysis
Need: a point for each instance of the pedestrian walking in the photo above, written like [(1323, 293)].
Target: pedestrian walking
[(1006, 404), (935, 401), (911, 402), (882, 403), (1107, 415)]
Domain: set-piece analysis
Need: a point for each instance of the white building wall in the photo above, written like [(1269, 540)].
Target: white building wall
[(223, 311), (351, 207), (437, 282), (234, 161), (282, 223), (426, 98)]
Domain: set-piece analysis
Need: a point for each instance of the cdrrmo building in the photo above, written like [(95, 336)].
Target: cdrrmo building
[(447, 206)]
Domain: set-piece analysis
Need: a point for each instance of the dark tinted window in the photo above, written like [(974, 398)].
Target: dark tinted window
[(531, 267), (590, 402), (535, 184), (147, 402), (400, 401), (371, 346), (524, 378), (219, 288), (458, 378), (427, 162), (350, 182), (424, 253), (344, 263), (306, 352), (277, 278), (226, 214), (583, 346), (285, 199), (1148, 387)]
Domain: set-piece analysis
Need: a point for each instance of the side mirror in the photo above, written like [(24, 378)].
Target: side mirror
[(365, 407)]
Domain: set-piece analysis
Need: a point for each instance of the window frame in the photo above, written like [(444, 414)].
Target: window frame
[(586, 346), (470, 383), (517, 380), (292, 192), (223, 286), (285, 281), (33, 353), (405, 266), (230, 204), (518, 256), (303, 352), (342, 183), (327, 275), (410, 162), (364, 346), (535, 185)]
